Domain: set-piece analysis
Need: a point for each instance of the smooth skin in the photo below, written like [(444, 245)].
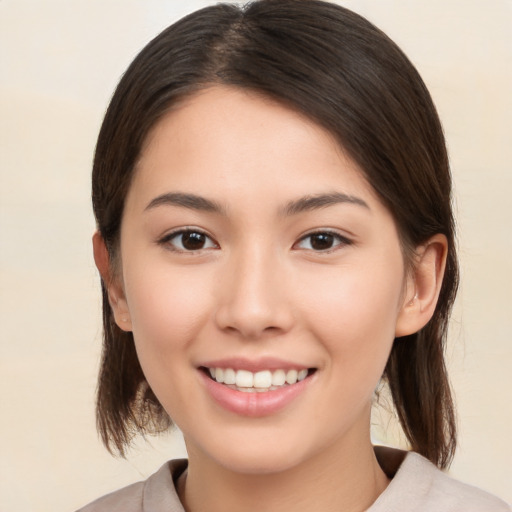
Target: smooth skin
[(255, 269)]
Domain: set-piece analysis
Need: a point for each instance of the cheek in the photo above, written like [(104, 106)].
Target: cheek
[(355, 315), (167, 308)]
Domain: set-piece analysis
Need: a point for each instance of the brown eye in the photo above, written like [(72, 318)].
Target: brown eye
[(188, 241), (193, 241), (322, 241)]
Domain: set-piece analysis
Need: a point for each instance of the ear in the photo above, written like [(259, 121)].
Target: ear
[(112, 283), (423, 286)]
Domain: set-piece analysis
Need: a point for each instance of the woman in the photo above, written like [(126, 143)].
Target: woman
[(275, 236)]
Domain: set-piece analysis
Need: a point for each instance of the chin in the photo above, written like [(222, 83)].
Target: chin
[(255, 457), (259, 463)]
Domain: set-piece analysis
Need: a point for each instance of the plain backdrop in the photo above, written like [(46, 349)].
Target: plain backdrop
[(60, 61)]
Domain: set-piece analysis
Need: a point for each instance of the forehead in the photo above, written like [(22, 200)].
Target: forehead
[(223, 140)]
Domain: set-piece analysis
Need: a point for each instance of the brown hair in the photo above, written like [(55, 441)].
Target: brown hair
[(341, 71)]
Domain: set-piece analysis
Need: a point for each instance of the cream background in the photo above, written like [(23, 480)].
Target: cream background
[(60, 61)]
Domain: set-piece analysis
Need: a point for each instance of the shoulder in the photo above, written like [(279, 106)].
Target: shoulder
[(420, 486), (455, 494), (155, 493), (128, 499)]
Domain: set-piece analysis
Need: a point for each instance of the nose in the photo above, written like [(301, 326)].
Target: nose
[(254, 298)]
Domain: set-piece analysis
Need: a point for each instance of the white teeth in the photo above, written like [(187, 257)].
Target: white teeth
[(291, 376), (278, 378), (261, 381), (229, 376), (244, 379)]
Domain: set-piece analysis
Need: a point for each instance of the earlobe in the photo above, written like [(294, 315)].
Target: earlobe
[(116, 294), (423, 286)]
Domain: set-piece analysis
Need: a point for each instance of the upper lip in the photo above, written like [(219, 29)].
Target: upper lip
[(254, 365)]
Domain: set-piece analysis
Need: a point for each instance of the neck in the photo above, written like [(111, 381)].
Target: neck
[(350, 480)]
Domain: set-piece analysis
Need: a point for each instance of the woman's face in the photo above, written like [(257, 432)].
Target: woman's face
[(253, 249)]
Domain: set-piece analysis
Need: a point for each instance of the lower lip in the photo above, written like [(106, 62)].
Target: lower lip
[(255, 404)]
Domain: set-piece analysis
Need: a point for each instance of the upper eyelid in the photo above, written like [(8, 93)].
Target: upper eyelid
[(167, 237), (328, 231), (187, 229), (343, 241)]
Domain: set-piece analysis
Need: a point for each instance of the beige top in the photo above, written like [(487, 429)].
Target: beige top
[(416, 486)]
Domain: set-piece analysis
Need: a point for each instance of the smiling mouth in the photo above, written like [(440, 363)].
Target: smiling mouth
[(257, 382)]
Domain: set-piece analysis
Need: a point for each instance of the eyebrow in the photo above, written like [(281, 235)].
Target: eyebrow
[(191, 201), (303, 204), (315, 202)]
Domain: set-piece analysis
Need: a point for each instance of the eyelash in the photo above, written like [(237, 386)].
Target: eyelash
[(167, 241), (340, 239)]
